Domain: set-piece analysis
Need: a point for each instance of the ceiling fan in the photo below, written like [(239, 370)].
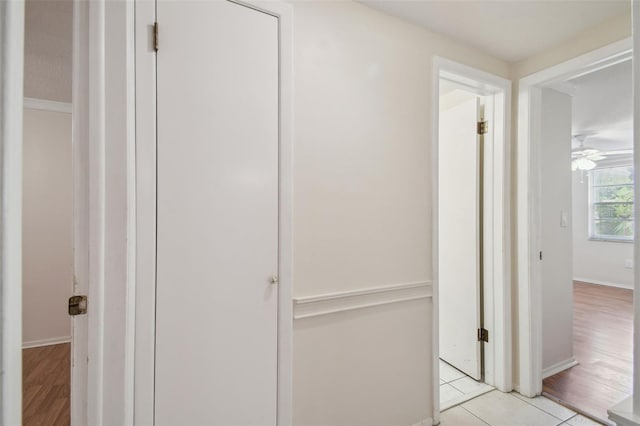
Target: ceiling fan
[(584, 158)]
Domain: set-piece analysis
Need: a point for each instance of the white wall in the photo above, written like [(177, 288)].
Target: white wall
[(47, 226), (599, 262), (557, 285), (362, 213)]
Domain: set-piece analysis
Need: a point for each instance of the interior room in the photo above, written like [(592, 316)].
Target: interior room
[(588, 304), (48, 258), (318, 213)]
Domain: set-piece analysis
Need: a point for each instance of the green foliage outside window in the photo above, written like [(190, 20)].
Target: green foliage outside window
[(612, 203)]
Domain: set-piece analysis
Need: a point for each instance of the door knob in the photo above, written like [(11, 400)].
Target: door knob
[(274, 279)]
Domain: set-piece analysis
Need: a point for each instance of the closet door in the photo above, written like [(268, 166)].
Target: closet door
[(459, 280), (217, 214)]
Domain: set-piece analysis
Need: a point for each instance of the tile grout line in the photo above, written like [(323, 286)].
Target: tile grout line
[(545, 411), (477, 417)]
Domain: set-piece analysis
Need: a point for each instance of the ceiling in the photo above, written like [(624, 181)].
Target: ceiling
[(602, 108), (510, 30)]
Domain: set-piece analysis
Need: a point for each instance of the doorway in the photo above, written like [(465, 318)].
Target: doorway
[(47, 213), (587, 239), (471, 289), (589, 215), (460, 268)]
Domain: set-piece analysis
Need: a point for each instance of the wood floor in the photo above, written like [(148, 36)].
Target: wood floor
[(46, 380), (603, 347)]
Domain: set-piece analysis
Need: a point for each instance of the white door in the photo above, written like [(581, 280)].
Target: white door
[(217, 215), (459, 237)]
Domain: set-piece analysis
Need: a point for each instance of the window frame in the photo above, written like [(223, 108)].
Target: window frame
[(591, 236)]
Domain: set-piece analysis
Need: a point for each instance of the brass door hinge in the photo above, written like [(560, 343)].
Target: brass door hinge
[(155, 36), (77, 305), (483, 127), (483, 335)]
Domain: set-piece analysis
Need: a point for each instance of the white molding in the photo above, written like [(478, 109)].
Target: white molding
[(12, 71), (623, 413), (604, 283), (635, 18), (47, 105), (560, 366), (528, 202), (97, 34), (145, 105), (46, 342), (312, 306), (130, 297), (497, 245), (80, 154), (425, 422)]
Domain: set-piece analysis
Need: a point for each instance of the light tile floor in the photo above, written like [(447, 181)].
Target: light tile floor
[(496, 408), (456, 387)]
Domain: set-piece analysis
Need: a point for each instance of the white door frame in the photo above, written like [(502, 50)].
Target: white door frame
[(528, 202), (146, 209), (497, 259), (11, 69)]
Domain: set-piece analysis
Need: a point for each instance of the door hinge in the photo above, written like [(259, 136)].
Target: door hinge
[(483, 335), (155, 36), (483, 127), (77, 305)]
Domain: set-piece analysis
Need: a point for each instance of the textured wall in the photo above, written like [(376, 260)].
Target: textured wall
[(48, 49)]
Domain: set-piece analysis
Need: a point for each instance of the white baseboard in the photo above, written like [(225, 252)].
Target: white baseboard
[(425, 422), (622, 414), (561, 366), (46, 342), (605, 283)]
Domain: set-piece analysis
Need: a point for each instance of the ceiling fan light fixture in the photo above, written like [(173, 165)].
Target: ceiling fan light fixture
[(582, 164)]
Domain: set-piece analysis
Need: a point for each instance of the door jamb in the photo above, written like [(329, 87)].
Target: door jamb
[(528, 202), (11, 101), (497, 241), (145, 135)]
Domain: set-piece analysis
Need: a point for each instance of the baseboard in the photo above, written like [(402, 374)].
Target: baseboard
[(46, 342), (561, 366), (605, 283), (425, 422), (622, 414)]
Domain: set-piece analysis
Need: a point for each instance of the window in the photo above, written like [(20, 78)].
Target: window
[(611, 203)]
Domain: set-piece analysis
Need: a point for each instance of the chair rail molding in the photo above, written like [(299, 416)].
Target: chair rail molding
[(311, 306), (47, 105)]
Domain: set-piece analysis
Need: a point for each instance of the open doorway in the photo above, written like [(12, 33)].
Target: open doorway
[(460, 246), (471, 290), (587, 238), (47, 213), (576, 145)]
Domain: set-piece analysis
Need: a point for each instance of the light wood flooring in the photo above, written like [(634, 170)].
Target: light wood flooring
[(603, 347), (46, 378)]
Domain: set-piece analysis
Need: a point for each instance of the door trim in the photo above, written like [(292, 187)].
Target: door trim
[(11, 111), (497, 265), (528, 202), (145, 202)]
